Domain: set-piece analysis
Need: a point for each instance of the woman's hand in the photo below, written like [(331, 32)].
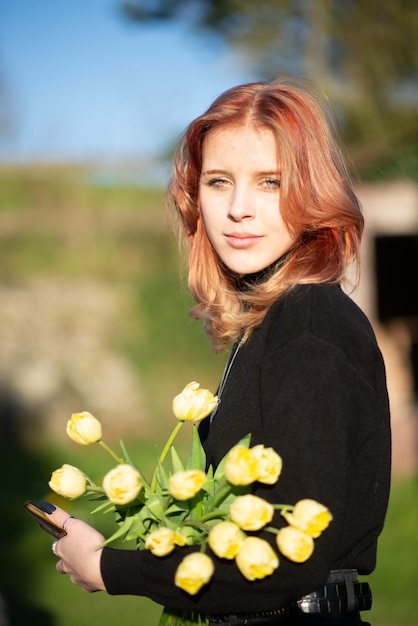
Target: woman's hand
[(78, 552)]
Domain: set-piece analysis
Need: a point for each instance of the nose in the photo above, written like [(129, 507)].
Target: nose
[(241, 205)]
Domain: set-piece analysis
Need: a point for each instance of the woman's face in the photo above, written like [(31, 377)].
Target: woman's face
[(239, 193)]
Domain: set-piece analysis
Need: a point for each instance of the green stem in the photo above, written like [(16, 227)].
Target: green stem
[(283, 507), (213, 515), (223, 493), (95, 488), (165, 451), (170, 441), (110, 451), (195, 524)]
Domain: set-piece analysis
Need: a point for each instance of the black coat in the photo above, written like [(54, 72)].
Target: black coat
[(310, 382)]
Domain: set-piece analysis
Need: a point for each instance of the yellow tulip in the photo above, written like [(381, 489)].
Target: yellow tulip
[(84, 428), (240, 466), (295, 544), (250, 512), (193, 404), (68, 481), (256, 559), (225, 539), (269, 464), (162, 541), (310, 516), (185, 485), (122, 484), (195, 571), (179, 539)]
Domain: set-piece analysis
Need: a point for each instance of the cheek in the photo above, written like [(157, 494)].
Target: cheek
[(277, 226), (276, 222)]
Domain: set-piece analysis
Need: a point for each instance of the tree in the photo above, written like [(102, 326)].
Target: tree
[(362, 53)]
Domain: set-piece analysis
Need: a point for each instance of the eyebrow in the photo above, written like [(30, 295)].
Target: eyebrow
[(261, 173)]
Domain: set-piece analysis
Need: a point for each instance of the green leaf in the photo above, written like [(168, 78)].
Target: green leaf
[(138, 529), (161, 476), (170, 617), (176, 508), (155, 506), (106, 507), (197, 457), (209, 487), (122, 530), (93, 495), (176, 462), (235, 491), (125, 453)]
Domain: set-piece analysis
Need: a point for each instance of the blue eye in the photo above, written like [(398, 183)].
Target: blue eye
[(215, 182), (272, 183)]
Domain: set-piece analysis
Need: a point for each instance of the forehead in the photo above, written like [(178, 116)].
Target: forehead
[(245, 141)]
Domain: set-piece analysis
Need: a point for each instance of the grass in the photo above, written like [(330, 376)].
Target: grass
[(394, 581), (54, 222)]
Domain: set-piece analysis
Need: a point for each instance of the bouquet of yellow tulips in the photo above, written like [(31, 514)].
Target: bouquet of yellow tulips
[(191, 504)]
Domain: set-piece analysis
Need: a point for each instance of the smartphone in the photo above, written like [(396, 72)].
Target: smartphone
[(43, 520)]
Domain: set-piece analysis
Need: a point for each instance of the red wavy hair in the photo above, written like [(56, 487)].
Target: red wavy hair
[(317, 203)]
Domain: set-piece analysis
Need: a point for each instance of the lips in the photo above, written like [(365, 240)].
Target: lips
[(242, 240)]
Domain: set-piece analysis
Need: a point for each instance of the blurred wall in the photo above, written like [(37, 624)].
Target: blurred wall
[(388, 293)]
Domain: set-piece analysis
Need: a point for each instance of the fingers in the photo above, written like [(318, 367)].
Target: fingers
[(67, 521), (57, 515), (54, 547), (89, 582), (79, 551)]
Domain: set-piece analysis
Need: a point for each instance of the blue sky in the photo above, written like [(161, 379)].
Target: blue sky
[(83, 83)]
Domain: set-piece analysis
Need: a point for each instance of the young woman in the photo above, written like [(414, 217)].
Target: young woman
[(272, 224)]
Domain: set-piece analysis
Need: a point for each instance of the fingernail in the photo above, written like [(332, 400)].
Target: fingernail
[(47, 506)]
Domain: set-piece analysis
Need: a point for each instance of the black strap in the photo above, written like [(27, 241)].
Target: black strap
[(342, 594), (351, 594)]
